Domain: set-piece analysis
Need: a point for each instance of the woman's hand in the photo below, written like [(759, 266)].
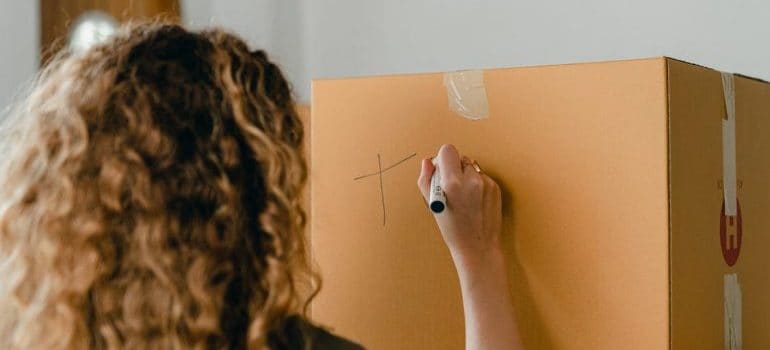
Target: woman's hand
[(471, 225), (471, 222)]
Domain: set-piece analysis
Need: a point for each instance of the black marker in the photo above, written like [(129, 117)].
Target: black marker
[(436, 198)]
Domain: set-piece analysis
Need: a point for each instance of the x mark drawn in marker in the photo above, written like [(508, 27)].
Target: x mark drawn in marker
[(379, 173)]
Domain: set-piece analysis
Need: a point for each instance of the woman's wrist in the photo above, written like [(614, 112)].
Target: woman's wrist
[(490, 322), (479, 261)]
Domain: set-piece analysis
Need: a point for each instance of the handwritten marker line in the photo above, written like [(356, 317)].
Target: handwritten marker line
[(386, 169), (382, 190)]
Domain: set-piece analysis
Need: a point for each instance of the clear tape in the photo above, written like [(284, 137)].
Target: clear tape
[(733, 313), (729, 172), (467, 94)]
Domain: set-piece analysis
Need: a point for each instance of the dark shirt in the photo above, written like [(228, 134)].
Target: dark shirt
[(298, 329)]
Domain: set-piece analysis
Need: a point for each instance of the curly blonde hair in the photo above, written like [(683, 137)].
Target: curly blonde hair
[(150, 198)]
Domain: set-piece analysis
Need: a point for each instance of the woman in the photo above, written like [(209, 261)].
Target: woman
[(150, 199)]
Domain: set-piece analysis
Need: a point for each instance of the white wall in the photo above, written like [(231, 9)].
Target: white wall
[(277, 26), (19, 42), (355, 37), (371, 37), (338, 38)]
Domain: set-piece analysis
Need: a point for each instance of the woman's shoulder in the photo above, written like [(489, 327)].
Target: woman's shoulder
[(299, 332)]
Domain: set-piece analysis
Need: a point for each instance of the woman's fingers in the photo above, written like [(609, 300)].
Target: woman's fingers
[(454, 178), (492, 191), (490, 184), (465, 162), (448, 160), (423, 182)]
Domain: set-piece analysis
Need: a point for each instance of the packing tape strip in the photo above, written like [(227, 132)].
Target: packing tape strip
[(733, 313), (729, 176), (467, 94)]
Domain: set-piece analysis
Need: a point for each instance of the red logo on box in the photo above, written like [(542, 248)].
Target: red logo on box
[(730, 234)]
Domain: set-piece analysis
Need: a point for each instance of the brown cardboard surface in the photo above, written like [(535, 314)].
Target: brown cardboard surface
[(581, 152), (696, 108)]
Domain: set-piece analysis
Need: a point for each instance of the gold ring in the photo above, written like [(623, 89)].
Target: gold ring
[(476, 166)]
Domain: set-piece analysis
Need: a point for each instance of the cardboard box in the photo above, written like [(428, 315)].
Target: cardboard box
[(612, 178)]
